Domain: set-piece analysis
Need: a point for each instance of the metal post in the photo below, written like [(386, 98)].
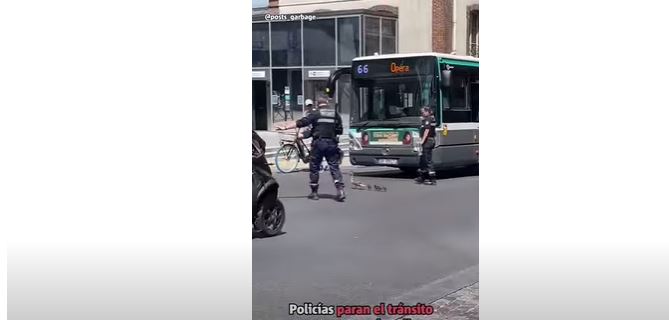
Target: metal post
[(270, 113)]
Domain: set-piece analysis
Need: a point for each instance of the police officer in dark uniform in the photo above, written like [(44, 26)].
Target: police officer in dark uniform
[(326, 126), (428, 135), (306, 133)]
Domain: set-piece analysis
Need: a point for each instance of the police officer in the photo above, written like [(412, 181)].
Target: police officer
[(306, 133), (326, 124), (428, 134)]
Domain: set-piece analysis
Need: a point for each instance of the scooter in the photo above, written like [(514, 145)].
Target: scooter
[(268, 212)]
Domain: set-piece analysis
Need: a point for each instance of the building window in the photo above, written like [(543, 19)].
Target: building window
[(286, 44), (286, 87), (348, 33), (372, 36), (260, 39), (473, 33), (319, 42), (388, 39)]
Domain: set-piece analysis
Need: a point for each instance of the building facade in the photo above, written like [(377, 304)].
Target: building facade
[(296, 47), (446, 26), (297, 44), (466, 27)]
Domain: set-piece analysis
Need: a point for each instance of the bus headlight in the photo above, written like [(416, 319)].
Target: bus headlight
[(416, 142), (354, 142), (354, 145)]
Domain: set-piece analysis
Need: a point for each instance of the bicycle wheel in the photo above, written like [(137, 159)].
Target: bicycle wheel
[(287, 158)]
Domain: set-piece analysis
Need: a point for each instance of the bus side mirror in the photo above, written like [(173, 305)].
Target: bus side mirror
[(332, 80), (446, 78)]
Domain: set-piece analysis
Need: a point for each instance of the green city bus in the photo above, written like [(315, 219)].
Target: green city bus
[(389, 91)]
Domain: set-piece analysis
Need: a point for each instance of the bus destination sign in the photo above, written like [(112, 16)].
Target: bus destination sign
[(395, 68), (392, 67)]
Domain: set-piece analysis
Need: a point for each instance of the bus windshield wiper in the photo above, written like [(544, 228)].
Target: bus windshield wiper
[(362, 124), (367, 123)]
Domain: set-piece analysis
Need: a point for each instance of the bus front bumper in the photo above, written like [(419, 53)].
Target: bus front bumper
[(379, 157)]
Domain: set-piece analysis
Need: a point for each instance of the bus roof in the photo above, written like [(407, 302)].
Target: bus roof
[(409, 55)]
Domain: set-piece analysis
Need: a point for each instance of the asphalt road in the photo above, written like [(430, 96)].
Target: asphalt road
[(411, 244)]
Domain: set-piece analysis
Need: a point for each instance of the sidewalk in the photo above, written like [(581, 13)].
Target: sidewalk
[(460, 305)]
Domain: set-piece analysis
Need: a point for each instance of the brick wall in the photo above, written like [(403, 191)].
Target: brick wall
[(273, 6), (442, 24)]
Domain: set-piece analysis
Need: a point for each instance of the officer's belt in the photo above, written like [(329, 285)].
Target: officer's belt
[(325, 120)]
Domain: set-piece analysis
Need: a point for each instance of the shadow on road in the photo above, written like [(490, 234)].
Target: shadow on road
[(320, 195), (258, 235), (392, 173), (294, 171), (304, 170)]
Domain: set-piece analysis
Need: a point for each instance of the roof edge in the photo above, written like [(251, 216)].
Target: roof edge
[(422, 54)]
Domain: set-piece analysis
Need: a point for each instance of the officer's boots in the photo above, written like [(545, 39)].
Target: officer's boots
[(420, 179), (341, 195), (314, 192), (432, 180)]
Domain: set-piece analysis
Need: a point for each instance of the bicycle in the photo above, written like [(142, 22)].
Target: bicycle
[(291, 152)]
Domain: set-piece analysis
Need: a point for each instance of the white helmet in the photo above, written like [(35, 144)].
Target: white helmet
[(309, 102)]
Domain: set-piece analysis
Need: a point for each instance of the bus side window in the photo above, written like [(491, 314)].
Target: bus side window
[(459, 93), (455, 101), (474, 98)]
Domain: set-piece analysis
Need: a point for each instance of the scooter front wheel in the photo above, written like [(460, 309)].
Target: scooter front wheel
[(272, 220)]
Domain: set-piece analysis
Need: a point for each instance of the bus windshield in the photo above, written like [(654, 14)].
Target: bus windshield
[(395, 93)]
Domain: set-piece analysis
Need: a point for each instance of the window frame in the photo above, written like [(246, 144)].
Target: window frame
[(366, 18), (471, 76), (381, 19), (269, 44), (359, 32), (473, 31), (300, 36), (304, 44), (394, 36)]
